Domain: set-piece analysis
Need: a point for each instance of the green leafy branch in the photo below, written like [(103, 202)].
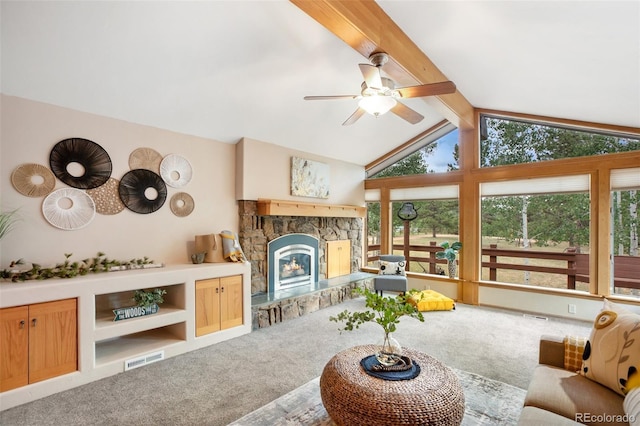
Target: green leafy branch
[(385, 311), (70, 269)]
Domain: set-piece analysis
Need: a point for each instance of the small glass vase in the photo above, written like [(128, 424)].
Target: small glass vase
[(389, 352)]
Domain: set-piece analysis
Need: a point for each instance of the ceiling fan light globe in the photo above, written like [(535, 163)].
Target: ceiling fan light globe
[(377, 105)]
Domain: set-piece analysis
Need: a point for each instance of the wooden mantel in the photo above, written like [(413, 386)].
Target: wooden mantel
[(295, 208)]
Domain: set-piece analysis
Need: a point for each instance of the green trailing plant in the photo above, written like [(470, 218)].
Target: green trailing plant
[(450, 251), (70, 269), (384, 311), (145, 298)]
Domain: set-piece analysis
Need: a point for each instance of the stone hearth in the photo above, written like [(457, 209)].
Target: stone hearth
[(256, 231)]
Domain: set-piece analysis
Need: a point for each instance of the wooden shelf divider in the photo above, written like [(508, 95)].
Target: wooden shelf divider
[(267, 207)]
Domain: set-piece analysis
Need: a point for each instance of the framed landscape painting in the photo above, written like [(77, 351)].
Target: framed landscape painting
[(309, 178)]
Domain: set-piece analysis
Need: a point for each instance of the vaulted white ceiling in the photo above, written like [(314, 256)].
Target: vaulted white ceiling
[(231, 69)]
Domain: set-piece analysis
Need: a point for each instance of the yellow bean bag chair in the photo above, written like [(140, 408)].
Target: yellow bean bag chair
[(430, 300)]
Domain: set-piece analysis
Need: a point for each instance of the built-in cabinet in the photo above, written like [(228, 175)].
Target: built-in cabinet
[(37, 342), (218, 304), (61, 333), (338, 258)]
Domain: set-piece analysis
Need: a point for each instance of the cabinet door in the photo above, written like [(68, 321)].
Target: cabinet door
[(53, 339), (14, 347), (231, 301), (338, 258), (345, 257), (207, 306)]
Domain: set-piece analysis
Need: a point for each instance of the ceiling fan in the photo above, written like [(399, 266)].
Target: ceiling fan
[(379, 95)]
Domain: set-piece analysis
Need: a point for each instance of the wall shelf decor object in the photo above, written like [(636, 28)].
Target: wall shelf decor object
[(309, 178), (181, 204), (176, 170), (145, 158), (106, 198), (92, 157), (33, 180), (68, 209), (133, 191)]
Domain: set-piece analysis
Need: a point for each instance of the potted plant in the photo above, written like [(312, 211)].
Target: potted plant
[(146, 304), (385, 311), (449, 253), (146, 299)]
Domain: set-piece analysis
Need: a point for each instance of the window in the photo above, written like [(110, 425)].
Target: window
[(536, 232), (509, 141), (625, 196), (418, 239), (435, 153)]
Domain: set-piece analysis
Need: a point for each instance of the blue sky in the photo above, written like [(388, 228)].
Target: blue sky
[(443, 154)]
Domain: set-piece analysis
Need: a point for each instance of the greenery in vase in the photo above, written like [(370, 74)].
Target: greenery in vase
[(450, 251), (68, 268), (385, 311), (147, 298)]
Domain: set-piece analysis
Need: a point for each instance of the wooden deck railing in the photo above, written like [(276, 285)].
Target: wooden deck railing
[(626, 268)]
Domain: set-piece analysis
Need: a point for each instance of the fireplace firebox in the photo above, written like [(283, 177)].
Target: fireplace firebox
[(292, 261)]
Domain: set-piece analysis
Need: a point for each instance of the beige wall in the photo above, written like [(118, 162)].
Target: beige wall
[(264, 171), (31, 129)]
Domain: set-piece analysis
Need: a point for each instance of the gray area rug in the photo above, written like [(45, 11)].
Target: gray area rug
[(487, 402)]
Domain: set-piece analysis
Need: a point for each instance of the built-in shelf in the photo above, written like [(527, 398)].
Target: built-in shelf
[(107, 347), (107, 328), (121, 348), (267, 207)]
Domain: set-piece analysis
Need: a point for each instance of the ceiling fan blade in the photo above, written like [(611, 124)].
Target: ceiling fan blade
[(403, 111), (354, 117), (433, 89), (371, 76), (323, 98)]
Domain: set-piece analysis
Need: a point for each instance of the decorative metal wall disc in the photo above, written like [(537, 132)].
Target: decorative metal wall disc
[(142, 191), (33, 180), (93, 160), (68, 209), (107, 198), (181, 204), (145, 158), (175, 170)]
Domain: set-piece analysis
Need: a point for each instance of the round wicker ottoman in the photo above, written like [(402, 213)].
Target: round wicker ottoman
[(352, 397)]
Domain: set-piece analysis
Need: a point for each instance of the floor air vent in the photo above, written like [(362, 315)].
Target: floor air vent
[(132, 363)]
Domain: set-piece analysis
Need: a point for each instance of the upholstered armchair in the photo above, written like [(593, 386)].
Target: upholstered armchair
[(392, 275)]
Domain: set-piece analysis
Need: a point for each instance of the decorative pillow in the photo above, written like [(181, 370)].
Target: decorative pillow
[(430, 300), (631, 406), (391, 268), (573, 350), (612, 353)]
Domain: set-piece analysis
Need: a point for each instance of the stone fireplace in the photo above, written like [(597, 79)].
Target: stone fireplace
[(292, 261), (256, 232)]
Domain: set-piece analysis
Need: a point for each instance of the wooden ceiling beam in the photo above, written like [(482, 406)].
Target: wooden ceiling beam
[(365, 27)]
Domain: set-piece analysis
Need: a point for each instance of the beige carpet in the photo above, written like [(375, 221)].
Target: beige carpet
[(487, 402)]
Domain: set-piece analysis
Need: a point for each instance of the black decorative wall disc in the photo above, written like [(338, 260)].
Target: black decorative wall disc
[(92, 161), (142, 191)]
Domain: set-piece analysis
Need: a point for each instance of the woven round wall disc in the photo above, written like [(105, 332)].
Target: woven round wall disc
[(33, 180), (107, 198), (176, 170), (134, 190), (92, 161), (145, 158), (68, 209), (181, 204)]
